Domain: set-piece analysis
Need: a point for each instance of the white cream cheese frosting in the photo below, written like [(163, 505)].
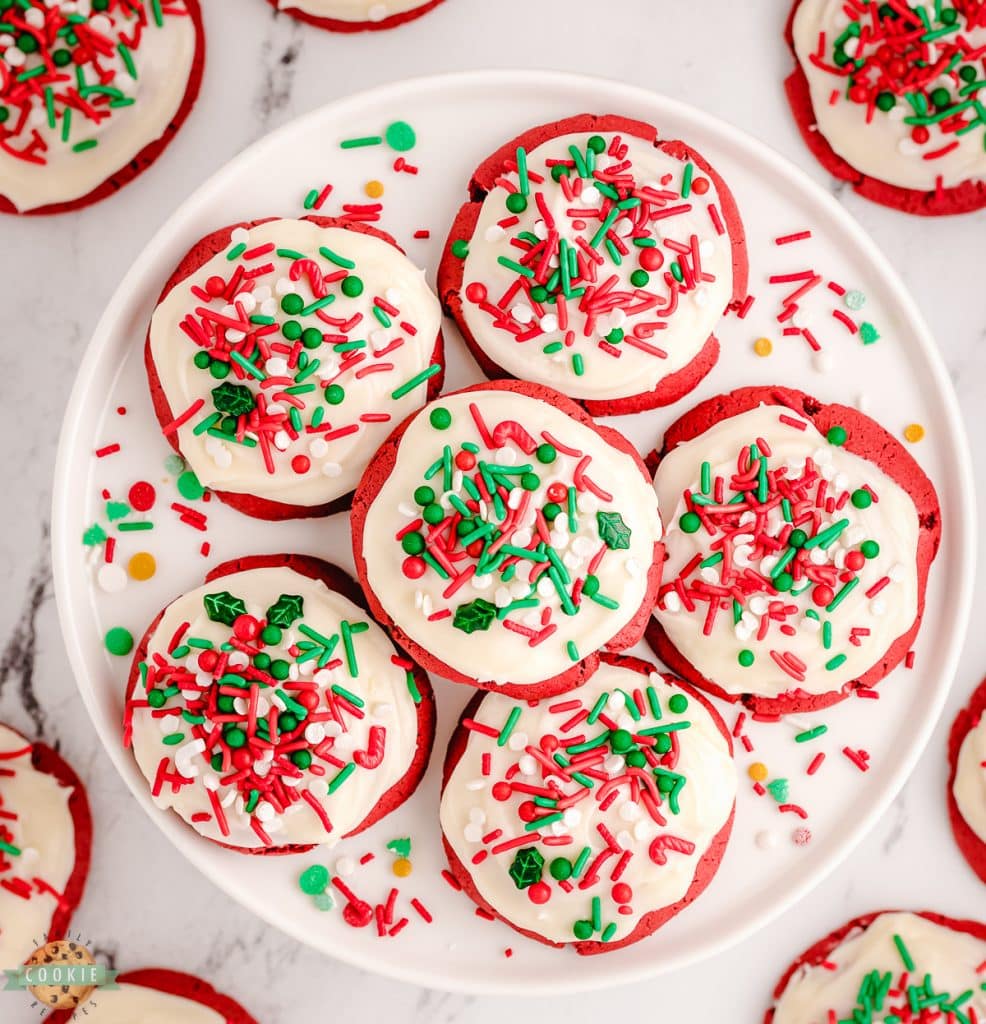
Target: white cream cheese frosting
[(631, 801), (337, 330), (135, 84), (136, 1004), (352, 10), (610, 329), (37, 841), (338, 707), (970, 779), (881, 142), (551, 558), (807, 610), (933, 959)]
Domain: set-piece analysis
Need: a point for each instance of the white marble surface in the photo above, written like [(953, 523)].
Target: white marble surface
[(144, 905)]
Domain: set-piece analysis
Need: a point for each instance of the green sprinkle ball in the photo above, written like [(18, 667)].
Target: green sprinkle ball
[(869, 548), (440, 419), (560, 869), (400, 136), (678, 704), (546, 454), (189, 487), (861, 498), (292, 304), (460, 248), (352, 286), (745, 658), (836, 435), (334, 394), (424, 495), (797, 538), (313, 880), (690, 522)]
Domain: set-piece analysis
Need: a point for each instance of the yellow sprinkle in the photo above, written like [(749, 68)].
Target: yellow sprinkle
[(142, 566), (374, 189), (402, 867), (763, 346), (913, 432), (757, 771)]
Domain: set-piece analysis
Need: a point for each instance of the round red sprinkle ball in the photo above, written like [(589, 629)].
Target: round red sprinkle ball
[(413, 568), (307, 699), (475, 549), (141, 496), (700, 186), (652, 258), (476, 292), (622, 893), (245, 627), (465, 460), (897, 68), (357, 915), (920, 134), (527, 811), (301, 464), (208, 660), (502, 791), (822, 595), (549, 743), (215, 286), (557, 492), (242, 758), (855, 560), (539, 893)]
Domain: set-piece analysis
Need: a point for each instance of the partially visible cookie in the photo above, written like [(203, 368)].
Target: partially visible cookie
[(886, 96), (45, 844), (967, 781), (355, 15), (90, 95)]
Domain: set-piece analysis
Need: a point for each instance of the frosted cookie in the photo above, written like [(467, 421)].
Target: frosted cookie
[(888, 967), (799, 541), (91, 92), (597, 259), (504, 539), (281, 355), (156, 996), (593, 820), (355, 15), (888, 98), (967, 781), (271, 714), (45, 842)]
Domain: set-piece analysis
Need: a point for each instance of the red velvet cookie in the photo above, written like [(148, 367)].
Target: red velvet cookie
[(637, 813), (969, 727), (929, 959), (135, 996), (595, 258), (139, 67), (320, 680), (897, 132), (504, 539), (281, 354), (378, 16), (800, 536), (38, 789)]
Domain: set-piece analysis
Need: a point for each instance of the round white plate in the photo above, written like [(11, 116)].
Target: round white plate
[(459, 119)]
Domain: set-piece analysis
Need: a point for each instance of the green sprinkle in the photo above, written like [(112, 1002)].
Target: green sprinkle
[(833, 663), (811, 734), (508, 728), (419, 378), (342, 776), (364, 140)]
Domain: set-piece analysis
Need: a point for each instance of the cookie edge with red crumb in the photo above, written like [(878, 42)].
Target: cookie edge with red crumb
[(340, 25), (966, 197), (48, 761), (865, 438), (143, 159), (650, 922), (340, 582), (815, 955), (968, 842), (451, 268), (173, 983), (380, 469), (204, 250)]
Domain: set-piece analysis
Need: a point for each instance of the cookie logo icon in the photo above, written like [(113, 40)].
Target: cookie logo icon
[(62, 975)]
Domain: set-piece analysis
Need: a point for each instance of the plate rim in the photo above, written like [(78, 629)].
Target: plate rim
[(63, 562)]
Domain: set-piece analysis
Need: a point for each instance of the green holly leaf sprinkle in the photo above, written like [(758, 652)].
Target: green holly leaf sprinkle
[(288, 608), (223, 607), (400, 847), (779, 790), (232, 399), (117, 510), (93, 536), (476, 615), (527, 867), (612, 530)]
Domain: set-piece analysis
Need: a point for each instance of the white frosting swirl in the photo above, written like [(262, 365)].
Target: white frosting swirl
[(970, 779)]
